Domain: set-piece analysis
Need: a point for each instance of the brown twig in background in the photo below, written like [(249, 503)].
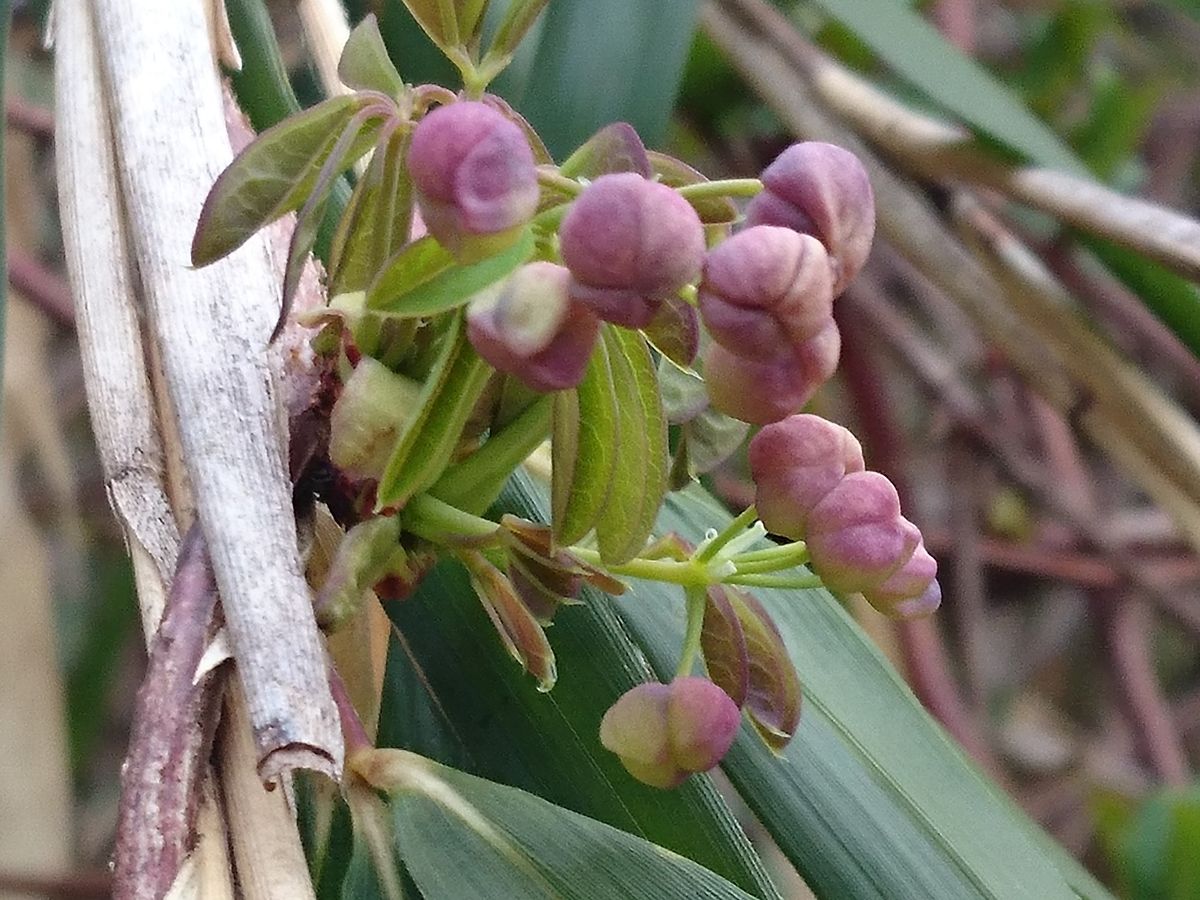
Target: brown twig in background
[(41, 286), (24, 116), (172, 731)]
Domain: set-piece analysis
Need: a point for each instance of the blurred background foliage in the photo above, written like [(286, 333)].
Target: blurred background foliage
[(1065, 658)]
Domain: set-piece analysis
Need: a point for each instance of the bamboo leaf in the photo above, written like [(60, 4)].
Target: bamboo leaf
[(274, 175), (463, 837), (423, 279), (639, 478)]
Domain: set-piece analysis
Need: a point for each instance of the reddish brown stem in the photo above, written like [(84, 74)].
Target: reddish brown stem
[(173, 726), (42, 287), (24, 116)]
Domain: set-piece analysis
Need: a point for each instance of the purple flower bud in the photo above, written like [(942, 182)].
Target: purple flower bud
[(474, 178), (665, 732), (822, 190), (527, 326), (764, 392), (856, 535), (765, 291), (630, 244), (912, 590), (795, 463)]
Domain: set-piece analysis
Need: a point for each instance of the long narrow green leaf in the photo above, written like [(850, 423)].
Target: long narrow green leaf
[(871, 798), (454, 694), (464, 838)]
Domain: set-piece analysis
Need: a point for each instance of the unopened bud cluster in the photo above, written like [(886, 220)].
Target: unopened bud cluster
[(811, 485)]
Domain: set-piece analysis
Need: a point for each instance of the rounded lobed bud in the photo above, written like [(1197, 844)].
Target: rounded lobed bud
[(766, 290), (528, 326), (823, 190), (665, 732), (794, 464), (630, 243), (911, 590), (765, 392), (474, 178), (856, 536)]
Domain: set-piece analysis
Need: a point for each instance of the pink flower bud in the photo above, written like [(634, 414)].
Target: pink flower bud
[(764, 392), (856, 535), (912, 590), (822, 190), (795, 463), (665, 732), (765, 291), (630, 244), (527, 326), (474, 178)]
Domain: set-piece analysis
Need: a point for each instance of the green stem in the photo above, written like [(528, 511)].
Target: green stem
[(551, 178), (696, 601), (731, 531), (475, 481), (786, 557), (438, 521), (729, 187), (686, 573)]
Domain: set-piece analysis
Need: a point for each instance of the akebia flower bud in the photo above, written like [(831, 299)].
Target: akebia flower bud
[(912, 590), (474, 177), (528, 326), (856, 536), (794, 464), (822, 190), (764, 392), (665, 732), (765, 291), (630, 243)]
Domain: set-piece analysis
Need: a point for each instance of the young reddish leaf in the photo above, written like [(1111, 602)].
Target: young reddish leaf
[(672, 172), (377, 220), (276, 172), (639, 480), (423, 279), (723, 643), (365, 64), (614, 148), (427, 444), (773, 700), (541, 155), (675, 331), (583, 449), (518, 629), (313, 211)]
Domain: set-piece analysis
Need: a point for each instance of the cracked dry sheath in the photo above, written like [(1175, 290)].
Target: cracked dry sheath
[(173, 726)]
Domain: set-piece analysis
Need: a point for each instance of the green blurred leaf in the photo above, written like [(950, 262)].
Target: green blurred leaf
[(917, 51), (1119, 115), (452, 693), (274, 175), (639, 476), (463, 837), (427, 443), (518, 19), (602, 61), (423, 279), (870, 799), (365, 64), (1153, 848), (584, 449)]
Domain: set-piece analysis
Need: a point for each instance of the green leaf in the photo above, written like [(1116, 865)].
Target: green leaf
[(275, 174), (639, 478), (365, 64), (377, 220), (870, 798), (675, 331), (427, 443), (464, 837), (601, 61), (423, 279), (453, 693), (916, 50), (518, 19), (584, 449), (614, 148), (1154, 849)]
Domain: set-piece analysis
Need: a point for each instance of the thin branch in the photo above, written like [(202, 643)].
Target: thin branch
[(41, 286), (24, 116), (173, 724)]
